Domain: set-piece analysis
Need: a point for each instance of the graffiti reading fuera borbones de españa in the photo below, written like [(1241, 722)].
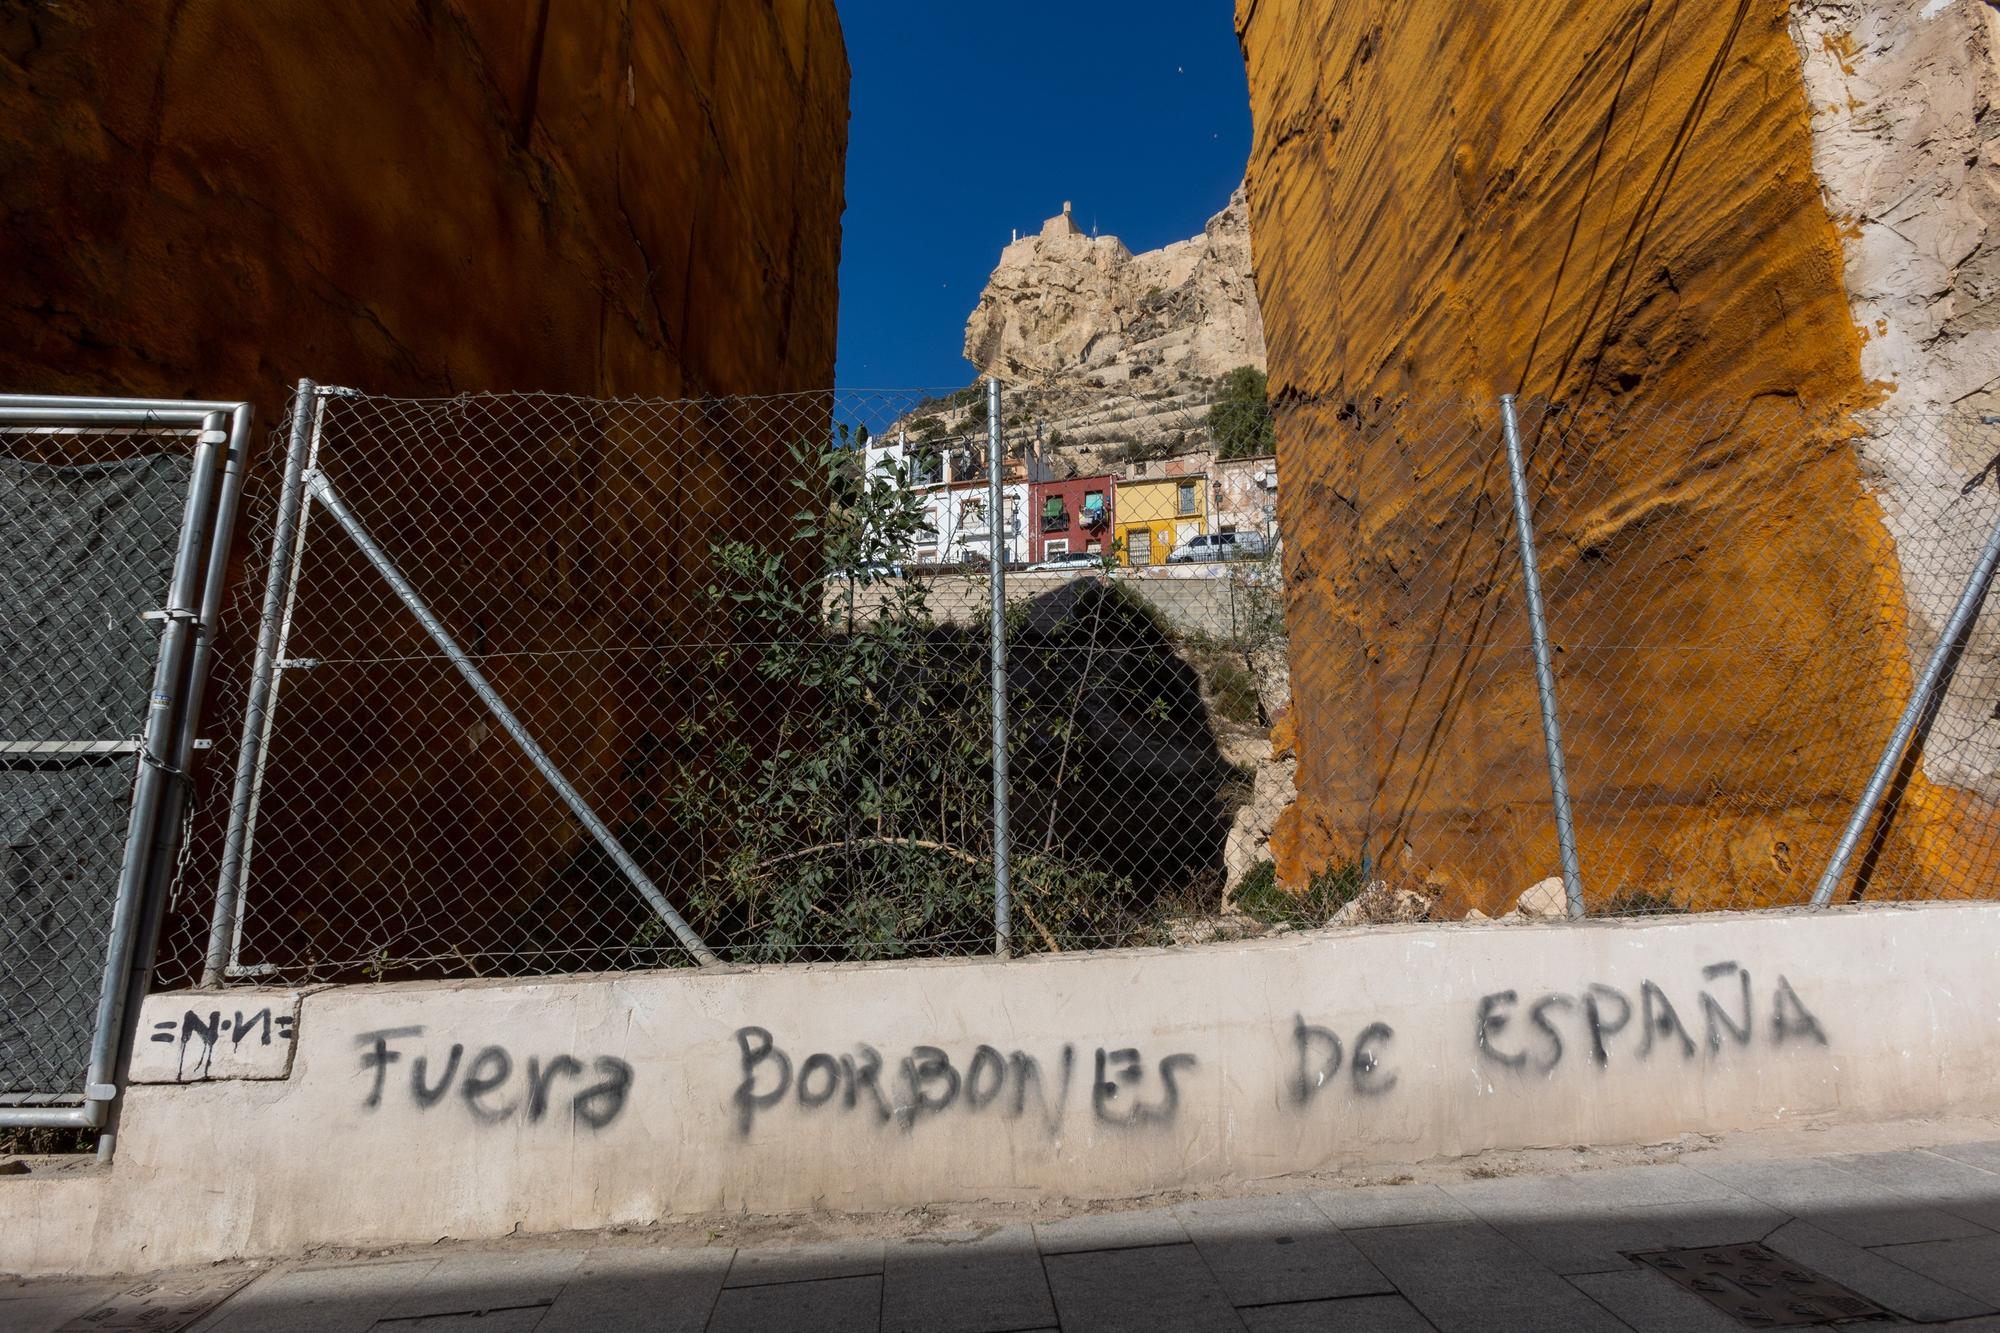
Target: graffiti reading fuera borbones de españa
[(1119, 1087), (492, 1085)]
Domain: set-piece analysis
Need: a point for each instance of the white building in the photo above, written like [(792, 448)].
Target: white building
[(953, 487), (957, 514)]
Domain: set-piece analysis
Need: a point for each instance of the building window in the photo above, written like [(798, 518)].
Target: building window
[(1094, 548), (1054, 547), (1055, 518), (1187, 499)]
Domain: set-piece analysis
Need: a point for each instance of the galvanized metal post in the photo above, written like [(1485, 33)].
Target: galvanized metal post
[(1970, 599), (1003, 905), (221, 536), (263, 673), (1545, 676), (321, 490), (156, 769)]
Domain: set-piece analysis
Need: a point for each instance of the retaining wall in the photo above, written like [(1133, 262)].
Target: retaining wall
[(378, 1115)]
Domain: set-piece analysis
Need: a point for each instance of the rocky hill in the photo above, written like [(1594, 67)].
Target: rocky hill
[(1119, 354)]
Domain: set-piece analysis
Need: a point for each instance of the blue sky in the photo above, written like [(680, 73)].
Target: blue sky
[(972, 119)]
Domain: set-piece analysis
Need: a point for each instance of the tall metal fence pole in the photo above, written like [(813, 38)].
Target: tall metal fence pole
[(157, 765), (1970, 599), (1003, 905), (263, 672), (1545, 676), (220, 538)]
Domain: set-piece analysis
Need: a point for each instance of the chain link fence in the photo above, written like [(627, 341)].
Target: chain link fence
[(552, 684)]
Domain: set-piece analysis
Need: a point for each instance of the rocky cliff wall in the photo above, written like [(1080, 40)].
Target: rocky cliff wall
[(1616, 207), (215, 197), (1907, 148)]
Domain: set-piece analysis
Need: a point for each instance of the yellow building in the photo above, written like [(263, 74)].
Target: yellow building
[(1155, 514)]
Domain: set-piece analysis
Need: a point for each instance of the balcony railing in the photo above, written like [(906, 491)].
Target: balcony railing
[(1055, 522)]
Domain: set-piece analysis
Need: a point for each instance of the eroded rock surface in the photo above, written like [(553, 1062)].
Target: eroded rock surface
[(1907, 147), (1622, 208)]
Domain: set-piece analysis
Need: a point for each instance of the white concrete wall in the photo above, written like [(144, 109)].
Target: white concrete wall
[(414, 1112)]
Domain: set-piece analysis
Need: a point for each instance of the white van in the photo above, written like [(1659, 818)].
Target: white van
[(1212, 546)]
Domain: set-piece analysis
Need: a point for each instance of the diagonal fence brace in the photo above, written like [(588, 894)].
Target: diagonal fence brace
[(320, 489)]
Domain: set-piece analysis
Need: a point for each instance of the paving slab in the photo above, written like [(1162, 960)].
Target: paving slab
[(1652, 1303), (1944, 1182), (526, 1319), (1840, 1202), (1715, 1222), (836, 1305), (1389, 1206), (659, 1290), (43, 1305), (1600, 1240), (1589, 1222), (817, 1262), (1984, 1154), (1111, 1231), (989, 1283), (1465, 1275), (1358, 1314), (345, 1299), (1889, 1284), (1150, 1290), (1277, 1247), (1971, 1266), (478, 1281), (1585, 1244), (166, 1301), (1616, 1187)]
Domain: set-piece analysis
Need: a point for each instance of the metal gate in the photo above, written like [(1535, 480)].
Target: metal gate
[(115, 523)]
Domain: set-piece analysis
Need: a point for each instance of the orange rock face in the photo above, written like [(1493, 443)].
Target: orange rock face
[(1611, 206), (213, 199), (216, 198)]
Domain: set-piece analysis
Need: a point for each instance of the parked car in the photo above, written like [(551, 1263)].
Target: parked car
[(1211, 546), (1071, 562)]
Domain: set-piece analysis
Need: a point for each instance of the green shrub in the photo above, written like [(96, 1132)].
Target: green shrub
[(1641, 902), (1240, 419), (1234, 692), (1262, 897)]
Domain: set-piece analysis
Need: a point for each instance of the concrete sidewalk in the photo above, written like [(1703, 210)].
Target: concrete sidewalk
[(1914, 1231)]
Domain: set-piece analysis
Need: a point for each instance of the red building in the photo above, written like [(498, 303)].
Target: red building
[(1070, 516)]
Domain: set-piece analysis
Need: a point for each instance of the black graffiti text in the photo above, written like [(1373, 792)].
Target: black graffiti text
[(1320, 1054), (1520, 1033), (1125, 1089), (492, 1085), (200, 1035)]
